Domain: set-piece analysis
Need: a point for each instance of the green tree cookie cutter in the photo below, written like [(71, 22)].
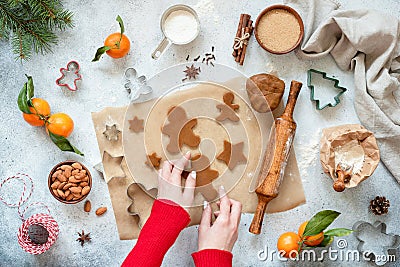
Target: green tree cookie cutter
[(324, 76)]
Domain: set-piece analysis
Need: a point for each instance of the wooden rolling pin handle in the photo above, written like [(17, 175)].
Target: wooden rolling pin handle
[(338, 185), (295, 88), (258, 218)]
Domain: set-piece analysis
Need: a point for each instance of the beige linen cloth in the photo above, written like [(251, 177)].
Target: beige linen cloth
[(368, 43)]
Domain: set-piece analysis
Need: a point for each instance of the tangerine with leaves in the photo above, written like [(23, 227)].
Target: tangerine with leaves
[(313, 240), (40, 110), (60, 124), (289, 244), (116, 45), (119, 45)]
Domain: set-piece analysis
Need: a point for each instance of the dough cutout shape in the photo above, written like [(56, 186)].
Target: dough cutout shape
[(153, 160), (180, 130), (232, 155), (136, 125), (228, 109)]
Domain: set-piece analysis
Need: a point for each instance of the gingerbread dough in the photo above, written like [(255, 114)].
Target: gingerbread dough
[(232, 155), (180, 130), (228, 110), (136, 125), (153, 160)]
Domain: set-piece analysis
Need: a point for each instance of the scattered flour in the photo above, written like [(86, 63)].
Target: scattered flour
[(308, 153), (351, 154)]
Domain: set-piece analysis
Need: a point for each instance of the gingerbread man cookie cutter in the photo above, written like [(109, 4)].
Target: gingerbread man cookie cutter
[(134, 85), (374, 241), (71, 72)]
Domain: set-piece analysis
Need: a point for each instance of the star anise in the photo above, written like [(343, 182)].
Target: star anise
[(191, 72), (83, 237)]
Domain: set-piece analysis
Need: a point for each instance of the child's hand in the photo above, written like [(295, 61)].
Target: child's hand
[(169, 183), (223, 233)]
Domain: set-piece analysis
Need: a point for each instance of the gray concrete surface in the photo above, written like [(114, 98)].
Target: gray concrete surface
[(27, 149)]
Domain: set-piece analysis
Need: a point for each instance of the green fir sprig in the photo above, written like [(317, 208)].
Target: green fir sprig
[(32, 25)]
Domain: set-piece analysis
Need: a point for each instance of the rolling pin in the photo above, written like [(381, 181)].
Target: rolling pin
[(275, 159)]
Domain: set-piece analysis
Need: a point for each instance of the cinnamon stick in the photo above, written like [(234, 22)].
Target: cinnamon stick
[(244, 19), (249, 30)]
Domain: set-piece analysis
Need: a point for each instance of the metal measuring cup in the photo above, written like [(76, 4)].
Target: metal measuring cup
[(167, 41)]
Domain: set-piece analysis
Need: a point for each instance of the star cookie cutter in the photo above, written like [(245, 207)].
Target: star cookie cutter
[(69, 75), (135, 85), (312, 88), (375, 243)]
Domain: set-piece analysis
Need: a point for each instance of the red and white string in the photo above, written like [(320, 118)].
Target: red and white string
[(42, 219)]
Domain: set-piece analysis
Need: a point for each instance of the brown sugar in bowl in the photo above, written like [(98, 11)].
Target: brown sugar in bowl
[(279, 29), (50, 181)]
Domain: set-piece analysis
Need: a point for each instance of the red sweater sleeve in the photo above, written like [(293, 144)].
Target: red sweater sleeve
[(158, 234), (212, 258)]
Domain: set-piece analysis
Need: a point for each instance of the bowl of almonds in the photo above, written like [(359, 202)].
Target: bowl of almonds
[(70, 182)]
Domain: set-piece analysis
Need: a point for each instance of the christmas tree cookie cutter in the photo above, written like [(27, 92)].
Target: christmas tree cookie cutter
[(375, 243), (336, 98), (69, 75)]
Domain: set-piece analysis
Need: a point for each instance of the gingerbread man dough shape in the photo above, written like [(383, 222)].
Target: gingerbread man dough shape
[(180, 130), (228, 109)]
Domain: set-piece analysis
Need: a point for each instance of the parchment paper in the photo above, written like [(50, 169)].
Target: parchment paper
[(340, 135), (291, 191)]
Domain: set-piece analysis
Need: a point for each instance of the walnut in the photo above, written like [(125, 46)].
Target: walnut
[(265, 91)]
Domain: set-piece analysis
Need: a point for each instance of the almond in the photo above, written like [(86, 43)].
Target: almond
[(76, 165), (76, 195), (100, 211), (67, 193), (75, 172), (68, 185), (60, 186), (56, 173), (55, 185), (88, 206), (83, 184), (75, 190), (72, 179), (85, 190), (64, 167), (55, 192), (61, 193), (62, 178), (67, 173), (85, 179), (69, 197)]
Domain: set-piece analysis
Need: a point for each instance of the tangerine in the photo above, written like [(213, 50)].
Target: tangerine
[(40, 112), (313, 240), (120, 45), (60, 124), (289, 244)]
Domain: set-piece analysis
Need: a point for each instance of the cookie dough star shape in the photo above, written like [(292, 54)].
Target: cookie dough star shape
[(136, 125), (232, 155)]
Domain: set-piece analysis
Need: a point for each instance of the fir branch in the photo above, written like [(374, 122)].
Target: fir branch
[(32, 24)]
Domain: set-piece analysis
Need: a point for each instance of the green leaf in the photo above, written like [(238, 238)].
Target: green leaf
[(63, 143), (100, 52), (327, 241), (121, 25), (30, 88), (338, 232), (320, 221), (25, 95)]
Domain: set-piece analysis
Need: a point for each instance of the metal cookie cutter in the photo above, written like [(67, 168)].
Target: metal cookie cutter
[(136, 86), (375, 243), (312, 88), (69, 76)]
